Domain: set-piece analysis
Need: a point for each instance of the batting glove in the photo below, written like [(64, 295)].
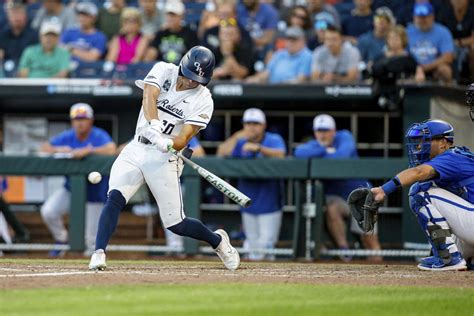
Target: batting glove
[(153, 132), (164, 144)]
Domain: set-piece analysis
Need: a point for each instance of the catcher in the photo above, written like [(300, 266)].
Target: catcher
[(441, 195)]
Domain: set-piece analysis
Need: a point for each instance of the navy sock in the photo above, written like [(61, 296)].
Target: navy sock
[(191, 227), (109, 218)]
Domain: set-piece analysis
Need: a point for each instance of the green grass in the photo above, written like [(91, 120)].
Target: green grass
[(237, 299)]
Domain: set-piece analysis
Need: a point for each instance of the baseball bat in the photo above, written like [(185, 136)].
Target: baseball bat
[(221, 185)]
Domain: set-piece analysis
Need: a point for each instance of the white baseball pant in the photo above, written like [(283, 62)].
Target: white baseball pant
[(57, 205), (459, 215), (261, 232), (139, 163)]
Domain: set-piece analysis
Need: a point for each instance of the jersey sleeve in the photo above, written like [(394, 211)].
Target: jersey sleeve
[(202, 113), (60, 140), (101, 138), (155, 77), (345, 145), (446, 166), (277, 142)]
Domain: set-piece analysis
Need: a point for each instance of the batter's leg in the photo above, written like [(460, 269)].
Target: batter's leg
[(125, 179)]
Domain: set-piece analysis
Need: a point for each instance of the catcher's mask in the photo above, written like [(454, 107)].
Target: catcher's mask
[(420, 135), (470, 100)]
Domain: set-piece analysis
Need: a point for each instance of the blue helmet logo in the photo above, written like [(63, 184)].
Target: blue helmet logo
[(420, 135), (198, 64)]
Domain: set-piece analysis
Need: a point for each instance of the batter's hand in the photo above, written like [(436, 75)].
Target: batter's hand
[(378, 193), (164, 144)]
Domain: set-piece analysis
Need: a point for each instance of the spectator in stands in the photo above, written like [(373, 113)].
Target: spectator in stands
[(336, 60), (235, 55), (129, 47), (152, 18), (371, 45), (213, 14), (458, 17), (332, 144), (431, 44), (359, 21), (55, 9), (262, 220), (290, 65), (260, 20), (108, 20), (404, 14), (17, 35), (321, 22), (318, 6), (82, 140), (299, 16), (85, 43), (45, 60), (175, 39), (226, 11)]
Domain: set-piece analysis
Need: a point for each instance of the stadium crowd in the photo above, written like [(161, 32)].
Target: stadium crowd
[(261, 41)]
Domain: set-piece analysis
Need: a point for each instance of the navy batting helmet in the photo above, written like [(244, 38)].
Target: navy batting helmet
[(470, 100), (198, 64), (420, 135)]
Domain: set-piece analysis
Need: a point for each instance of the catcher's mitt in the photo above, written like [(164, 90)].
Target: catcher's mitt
[(363, 208)]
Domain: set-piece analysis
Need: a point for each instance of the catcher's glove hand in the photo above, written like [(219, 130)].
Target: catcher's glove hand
[(363, 208)]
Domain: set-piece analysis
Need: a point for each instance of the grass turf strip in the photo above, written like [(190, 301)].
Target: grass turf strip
[(237, 299)]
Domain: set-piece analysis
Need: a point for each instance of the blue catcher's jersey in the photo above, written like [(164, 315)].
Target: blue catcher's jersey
[(456, 172)]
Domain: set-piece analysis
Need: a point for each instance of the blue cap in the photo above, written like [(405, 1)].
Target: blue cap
[(423, 9)]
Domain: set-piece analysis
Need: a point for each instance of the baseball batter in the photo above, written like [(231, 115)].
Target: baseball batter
[(176, 106), (441, 193)]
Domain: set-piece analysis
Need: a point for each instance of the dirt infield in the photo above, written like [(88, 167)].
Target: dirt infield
[(41, 273)]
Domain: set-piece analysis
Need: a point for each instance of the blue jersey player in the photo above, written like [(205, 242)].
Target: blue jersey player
[(441, 194)]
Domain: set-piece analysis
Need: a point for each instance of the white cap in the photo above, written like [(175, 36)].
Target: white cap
[(88, 8), (324, 122), (254, 115), (48, 27), (81, 111), (175, 7)]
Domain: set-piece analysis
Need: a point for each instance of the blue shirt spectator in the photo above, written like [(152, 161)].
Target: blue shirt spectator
[(96, 138), (331, 144), (290, 65), (85, 43), (371, 44), (427, 46), (260, 20)]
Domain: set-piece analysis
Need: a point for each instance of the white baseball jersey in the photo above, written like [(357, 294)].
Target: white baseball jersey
[(175, 108)]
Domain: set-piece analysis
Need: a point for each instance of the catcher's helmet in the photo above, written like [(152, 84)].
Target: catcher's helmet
[(420, 135), (198, 64), (470, 100)]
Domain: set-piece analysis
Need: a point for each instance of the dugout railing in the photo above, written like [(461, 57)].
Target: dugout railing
[(308, 214)]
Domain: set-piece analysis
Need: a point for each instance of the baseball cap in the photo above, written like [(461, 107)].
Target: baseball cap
[(423, 9), (15, 4), (175, 7), (81, 111), (294, 32), (324, 122), (322, 20), (49, 27), (254, 115), (386, 13), (87, 8)]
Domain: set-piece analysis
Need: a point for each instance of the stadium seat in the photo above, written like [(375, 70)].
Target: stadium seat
[(98, 69)]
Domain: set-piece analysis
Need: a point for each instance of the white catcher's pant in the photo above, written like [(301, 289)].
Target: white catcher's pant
[(139, 163), (459, 215), (57, 205), (261, 232)]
